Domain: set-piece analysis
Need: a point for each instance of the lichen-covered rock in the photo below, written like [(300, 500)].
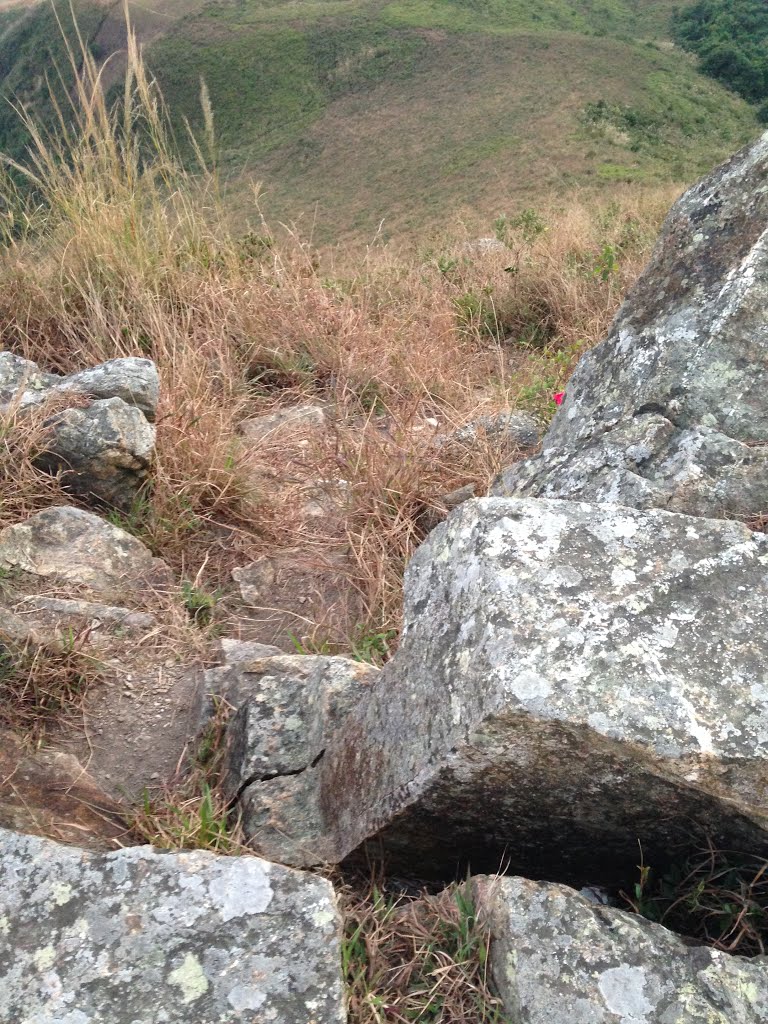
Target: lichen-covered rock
[(70, 544), (104, 450), (144, 937), (671, 410), (556, 957), (22, 383), (288, 708), (571, 679), (132, 380), (135, 381)]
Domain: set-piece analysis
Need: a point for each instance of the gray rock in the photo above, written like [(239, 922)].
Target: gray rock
[(289, 707), (233, 650), (275, 426), (77, 547), (571, 679), (557, 957), (671, 410), (58, 612), (135, 381), (144, 937), (22, 383), (511, 429), (104, 451)]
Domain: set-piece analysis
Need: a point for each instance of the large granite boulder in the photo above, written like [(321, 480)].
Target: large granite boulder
[(143, 937), (572, 679), (103, 444), (671, 410), (556, 957)]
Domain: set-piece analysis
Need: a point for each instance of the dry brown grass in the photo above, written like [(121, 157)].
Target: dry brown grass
[(416, 959), (123, 253), (40, 683)]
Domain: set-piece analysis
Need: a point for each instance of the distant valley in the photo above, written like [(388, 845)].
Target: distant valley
[(358, 117)]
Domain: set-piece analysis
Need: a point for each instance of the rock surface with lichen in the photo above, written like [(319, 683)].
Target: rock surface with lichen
[(557, 957), (100, 434), (670, 410), (287, 709), (144, 937), (571, 679)]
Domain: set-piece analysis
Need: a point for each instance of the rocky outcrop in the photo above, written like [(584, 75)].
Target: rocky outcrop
[(571, 679), (671, 410), (103, 449), (287, 710), (138, 937), (557, 957)]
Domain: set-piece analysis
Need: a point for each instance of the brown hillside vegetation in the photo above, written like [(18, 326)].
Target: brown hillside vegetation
[(123, 256)]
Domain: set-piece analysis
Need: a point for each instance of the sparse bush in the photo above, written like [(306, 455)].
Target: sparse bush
[(717, 897)]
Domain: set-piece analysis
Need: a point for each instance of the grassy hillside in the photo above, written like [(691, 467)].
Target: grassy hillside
[(350, 113)]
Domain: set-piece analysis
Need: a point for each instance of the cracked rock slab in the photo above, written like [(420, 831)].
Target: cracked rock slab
[(571, 679), (288, 708), (670, 411), (555, 956), (143, 937)]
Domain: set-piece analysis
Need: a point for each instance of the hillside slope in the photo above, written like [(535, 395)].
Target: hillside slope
[(351, 113)]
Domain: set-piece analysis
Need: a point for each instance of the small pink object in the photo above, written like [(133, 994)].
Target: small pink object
[(558, 397)]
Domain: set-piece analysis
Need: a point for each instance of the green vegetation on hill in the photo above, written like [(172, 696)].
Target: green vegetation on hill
[(730, 37), (350, 113), (35, 70)]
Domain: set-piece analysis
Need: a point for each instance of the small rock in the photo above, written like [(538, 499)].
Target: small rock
[(77, 547), (278, 425), (517, 430), (60, 612), (104, 449)]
